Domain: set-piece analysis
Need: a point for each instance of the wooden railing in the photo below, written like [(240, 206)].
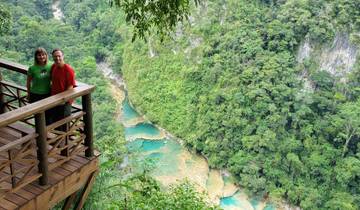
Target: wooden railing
[(51, 145), (14, 95), (19, 153)]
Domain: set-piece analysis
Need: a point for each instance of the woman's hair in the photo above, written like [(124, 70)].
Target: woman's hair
[(38, 51)]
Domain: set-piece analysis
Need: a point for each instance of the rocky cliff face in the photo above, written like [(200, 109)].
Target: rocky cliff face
[(340, 57), (337, 58)]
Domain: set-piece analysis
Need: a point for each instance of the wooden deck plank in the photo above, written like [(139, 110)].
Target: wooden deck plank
[(47, 196), (3, 140), (4, 133), (20, 197), (11, 132), (5, 204), (74, 163), (15, 199), (25, 194), (22, 127), (21, 192), (56, 176), (62, 171), (68, 167), (82, 160), (33, 189)]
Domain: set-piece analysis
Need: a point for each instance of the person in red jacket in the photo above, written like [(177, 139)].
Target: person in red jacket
[(62, 79)]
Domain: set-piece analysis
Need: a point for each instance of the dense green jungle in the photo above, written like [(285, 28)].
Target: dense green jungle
[(251, 85)]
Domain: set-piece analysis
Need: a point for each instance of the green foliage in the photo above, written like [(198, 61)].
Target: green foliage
[(236, 97), (146, 16), (140, 191), (4, 20), (229, 86)]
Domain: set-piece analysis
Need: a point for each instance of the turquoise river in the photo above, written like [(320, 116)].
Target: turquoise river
[(171, 162)]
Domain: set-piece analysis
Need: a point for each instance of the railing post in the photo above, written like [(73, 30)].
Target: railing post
[(88, 127), (12, 168), (2, 102), (41, 143), (19, 97)]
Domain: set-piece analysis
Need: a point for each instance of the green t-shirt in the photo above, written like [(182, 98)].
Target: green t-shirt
[(40, 83)]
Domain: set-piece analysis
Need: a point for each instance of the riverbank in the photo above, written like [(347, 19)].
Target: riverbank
[(173, 161)]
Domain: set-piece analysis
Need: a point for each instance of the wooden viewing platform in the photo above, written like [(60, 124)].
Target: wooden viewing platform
[(42, 165)]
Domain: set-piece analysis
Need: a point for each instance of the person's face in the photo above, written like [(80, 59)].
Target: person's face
[(58, 57), (41, 58)]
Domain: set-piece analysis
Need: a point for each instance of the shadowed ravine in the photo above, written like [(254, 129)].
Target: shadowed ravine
[(170, 162)]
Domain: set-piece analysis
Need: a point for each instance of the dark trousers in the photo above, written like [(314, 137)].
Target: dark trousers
[(59, 113), (33, 97)]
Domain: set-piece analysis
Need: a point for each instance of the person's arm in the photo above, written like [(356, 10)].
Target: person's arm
[(28, 83), (70, 78), (70, 87)]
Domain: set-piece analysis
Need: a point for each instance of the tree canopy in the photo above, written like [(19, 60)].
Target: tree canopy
[(148, 15), (231, 87)]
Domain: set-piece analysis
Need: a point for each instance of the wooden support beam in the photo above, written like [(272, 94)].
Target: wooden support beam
[(86, 190), (42, 154), (69, 201), (88, 128)]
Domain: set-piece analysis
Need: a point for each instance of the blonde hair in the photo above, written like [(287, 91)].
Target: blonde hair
[(38, 51)]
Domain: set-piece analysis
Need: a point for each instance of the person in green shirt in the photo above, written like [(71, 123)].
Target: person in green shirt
[(38, 79)]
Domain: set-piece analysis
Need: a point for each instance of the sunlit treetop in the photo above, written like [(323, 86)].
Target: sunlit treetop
[(160, 16)]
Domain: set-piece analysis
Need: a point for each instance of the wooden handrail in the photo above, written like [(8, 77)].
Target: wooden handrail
[(13, 66), (22, 140), (45, 104), (13, 85), (65, 120)]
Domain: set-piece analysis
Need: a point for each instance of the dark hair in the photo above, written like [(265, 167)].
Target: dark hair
[(57, 49), (38, 51)]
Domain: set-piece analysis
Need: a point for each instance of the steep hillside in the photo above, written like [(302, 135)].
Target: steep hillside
[(267, 89)]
